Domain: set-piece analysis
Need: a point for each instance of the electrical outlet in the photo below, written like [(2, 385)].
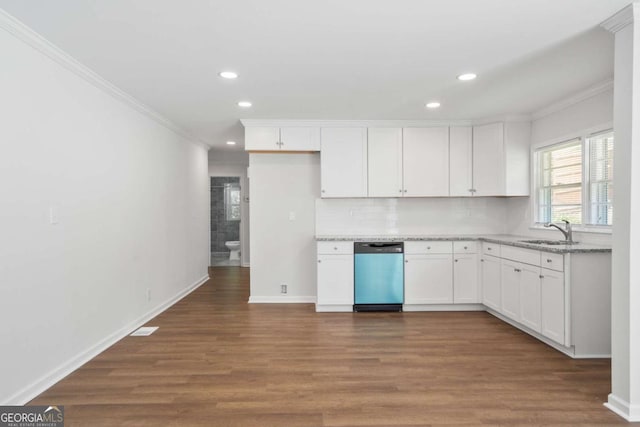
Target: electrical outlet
[(148, 294), (283, 288)]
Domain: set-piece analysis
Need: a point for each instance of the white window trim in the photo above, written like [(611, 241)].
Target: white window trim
[(583, 135)]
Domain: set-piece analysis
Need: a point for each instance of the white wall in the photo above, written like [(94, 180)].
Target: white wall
[(432, 216), (235, 163), (131, 199), (595, 112), (283, 249)]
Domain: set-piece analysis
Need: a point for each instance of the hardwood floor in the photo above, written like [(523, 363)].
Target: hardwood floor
[(218, 361)]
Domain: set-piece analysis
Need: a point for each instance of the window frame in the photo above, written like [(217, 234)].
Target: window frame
[(583, 136)]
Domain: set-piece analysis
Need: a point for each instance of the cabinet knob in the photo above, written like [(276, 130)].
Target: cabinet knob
[(406, 261), (404, 191), (319, 261), (335, 248), (517, 270), (488, 249), (400, 190), (465, 248), (455, 260), (322, 191), (541, 276), (481, 260), (548, 260), (428, 247)]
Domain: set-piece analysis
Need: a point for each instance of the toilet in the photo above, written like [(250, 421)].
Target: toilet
[(234, 248)]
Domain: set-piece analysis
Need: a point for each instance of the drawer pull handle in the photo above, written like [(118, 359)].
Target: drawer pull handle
[(541, 276), (517, 270), (406, 261), (481, 260), (488, 249), (548, 260), (335, 248)]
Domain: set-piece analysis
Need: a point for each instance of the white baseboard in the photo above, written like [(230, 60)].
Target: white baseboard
[(282, 299), (341, 308), (443, 307), (30, 392), (246, 264), (623, 408)]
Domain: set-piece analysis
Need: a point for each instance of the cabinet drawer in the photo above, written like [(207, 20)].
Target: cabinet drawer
[(335, 247), (526, 256), (552, 261), (465, 247), (428, 247), (491, 249)]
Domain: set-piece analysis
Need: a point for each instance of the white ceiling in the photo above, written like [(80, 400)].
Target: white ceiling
[(331, 59)]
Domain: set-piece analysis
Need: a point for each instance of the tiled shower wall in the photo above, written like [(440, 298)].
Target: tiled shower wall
[(221, 229)]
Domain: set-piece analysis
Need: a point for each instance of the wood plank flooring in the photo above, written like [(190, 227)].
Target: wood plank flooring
[(218, 361)]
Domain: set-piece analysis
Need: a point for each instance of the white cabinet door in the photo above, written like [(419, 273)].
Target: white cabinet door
[(385, 162), (552, 304), (261, 138), (335, 280), (425, 154), (465, 279), (491, 282), (300, 139), (460, 161), (530, 296), (488, 160), (428, 279), (510, 277), (343, 162)]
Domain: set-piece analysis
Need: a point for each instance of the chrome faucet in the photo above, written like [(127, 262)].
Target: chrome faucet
[(566, 232)]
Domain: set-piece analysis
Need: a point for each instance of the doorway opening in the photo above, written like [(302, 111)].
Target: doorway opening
[(226, 205)]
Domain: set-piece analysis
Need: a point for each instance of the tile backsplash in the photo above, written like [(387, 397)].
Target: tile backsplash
[(482, 215)]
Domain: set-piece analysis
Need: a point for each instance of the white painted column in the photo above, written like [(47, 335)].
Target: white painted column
[(624, 398)]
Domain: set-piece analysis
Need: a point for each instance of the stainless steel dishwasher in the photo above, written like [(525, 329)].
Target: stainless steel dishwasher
[(379, 276)]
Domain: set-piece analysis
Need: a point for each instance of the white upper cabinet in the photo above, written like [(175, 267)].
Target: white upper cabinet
[(501, 159), (425, 162), (385, 162), (343, 162), (488, 160), (460, 161), (272, 138), (409, 162)]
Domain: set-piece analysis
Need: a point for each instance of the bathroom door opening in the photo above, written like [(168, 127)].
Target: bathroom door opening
[(226, 213)]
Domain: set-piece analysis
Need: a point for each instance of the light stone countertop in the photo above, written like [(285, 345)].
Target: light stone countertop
[(503, 239)]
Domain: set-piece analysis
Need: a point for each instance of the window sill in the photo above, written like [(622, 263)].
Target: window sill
[(579, 229)]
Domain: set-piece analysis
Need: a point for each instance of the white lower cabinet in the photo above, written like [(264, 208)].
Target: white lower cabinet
[(552, 304), (465, 279), (510, 277), (428, 279), (335, 276), (530, 297), (491, 283)]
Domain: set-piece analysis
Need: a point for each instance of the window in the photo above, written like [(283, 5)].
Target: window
[(574, 181), (232, 202)]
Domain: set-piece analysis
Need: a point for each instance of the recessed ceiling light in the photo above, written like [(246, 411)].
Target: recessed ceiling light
[(229, 75), (433, 105), (231, 143), (245, 104), (467, 76)]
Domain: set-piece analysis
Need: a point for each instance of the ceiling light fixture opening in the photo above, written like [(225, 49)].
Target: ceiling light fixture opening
[(433, 104), (244, 104), (467, 76), (228, 75)]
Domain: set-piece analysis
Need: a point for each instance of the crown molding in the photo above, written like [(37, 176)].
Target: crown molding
[(42, 45), (590, 92), (351, 123), (622, 18)]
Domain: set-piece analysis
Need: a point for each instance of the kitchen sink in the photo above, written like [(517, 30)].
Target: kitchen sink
[(549, 242)]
